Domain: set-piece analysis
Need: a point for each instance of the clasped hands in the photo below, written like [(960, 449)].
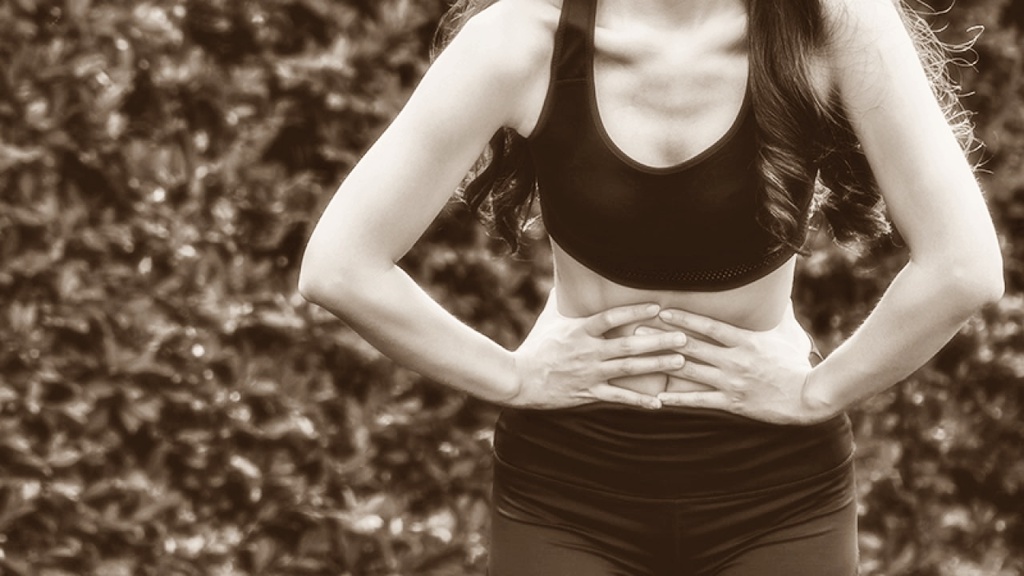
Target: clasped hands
[(566, 362)]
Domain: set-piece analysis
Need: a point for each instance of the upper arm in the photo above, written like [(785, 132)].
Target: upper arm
[(475, 87), (928, 185)]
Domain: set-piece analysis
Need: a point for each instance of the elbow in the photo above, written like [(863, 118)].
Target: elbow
[(975, 284), (991, 290), (338, 271), (324, 279), (312, 282), (340, 280), (312, 285)]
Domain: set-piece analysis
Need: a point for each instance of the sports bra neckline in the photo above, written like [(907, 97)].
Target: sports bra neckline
[(693, 226), (615, 149)]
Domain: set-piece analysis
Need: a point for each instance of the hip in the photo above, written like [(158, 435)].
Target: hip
[(670, 453)]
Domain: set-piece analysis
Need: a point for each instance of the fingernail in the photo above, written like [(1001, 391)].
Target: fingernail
[(679, 339), (652, 309), (654, 404), (678, 361), (666, 315)]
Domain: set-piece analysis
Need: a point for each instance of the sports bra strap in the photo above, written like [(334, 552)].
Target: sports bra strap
[(572, 40)]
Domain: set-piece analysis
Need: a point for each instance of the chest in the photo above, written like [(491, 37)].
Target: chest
[(664, 100)]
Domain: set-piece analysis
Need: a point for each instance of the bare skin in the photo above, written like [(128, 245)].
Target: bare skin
[(763, 305), (670, 76), (665, 93)]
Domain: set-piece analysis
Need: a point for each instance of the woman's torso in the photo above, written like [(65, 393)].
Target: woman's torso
[(666, 90)]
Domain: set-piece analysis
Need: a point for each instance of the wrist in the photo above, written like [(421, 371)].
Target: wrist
[(510, 382), (817, 397)]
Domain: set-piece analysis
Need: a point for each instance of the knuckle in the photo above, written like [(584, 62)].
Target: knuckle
[(633, 366), (626, 366), (563, 343), (689, 370), (610, 318), (576, 332), (569, 354), (674, 340), (582, 353), (628, 347), (671, 362)]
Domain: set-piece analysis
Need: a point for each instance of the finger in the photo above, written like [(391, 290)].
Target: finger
[(620, 367), (709, 353), (643, 329), (715, 329), (709, 400), (702, 374), (644, 344), (602, 322), (677, 384), (609, 393)]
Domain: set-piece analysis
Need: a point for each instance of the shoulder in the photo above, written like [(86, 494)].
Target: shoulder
[(505, 51), (512, 39), (863, 21), (866, 38)]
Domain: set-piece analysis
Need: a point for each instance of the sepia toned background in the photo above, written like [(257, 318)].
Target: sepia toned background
[(170, 406)]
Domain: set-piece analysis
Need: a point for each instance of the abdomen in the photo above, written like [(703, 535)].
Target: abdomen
[(760, 305)]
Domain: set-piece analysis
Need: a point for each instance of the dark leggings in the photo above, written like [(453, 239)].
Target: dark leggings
[(703, 495)]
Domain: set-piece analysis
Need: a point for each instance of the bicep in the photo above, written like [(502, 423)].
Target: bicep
[(924, 176), (399, 186)]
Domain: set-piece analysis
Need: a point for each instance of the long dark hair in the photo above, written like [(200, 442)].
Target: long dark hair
[(808, 153)]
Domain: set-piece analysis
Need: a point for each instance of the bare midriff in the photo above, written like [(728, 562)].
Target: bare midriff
[(760, 306)]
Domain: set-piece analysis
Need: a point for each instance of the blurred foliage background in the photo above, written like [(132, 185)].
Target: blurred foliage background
[(170, 406)]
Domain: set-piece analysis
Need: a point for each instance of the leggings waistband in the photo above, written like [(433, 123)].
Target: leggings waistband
[(669, 453)]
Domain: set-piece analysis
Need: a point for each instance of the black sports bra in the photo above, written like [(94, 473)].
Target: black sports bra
[(686, 227)]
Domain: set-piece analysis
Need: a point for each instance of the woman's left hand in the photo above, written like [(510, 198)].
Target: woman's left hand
[(757, 374)]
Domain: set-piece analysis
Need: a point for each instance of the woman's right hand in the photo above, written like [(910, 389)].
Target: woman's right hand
[(565, 362)]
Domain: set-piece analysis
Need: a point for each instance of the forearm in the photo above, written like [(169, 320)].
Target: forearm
[(921, 311), (396, 316)]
